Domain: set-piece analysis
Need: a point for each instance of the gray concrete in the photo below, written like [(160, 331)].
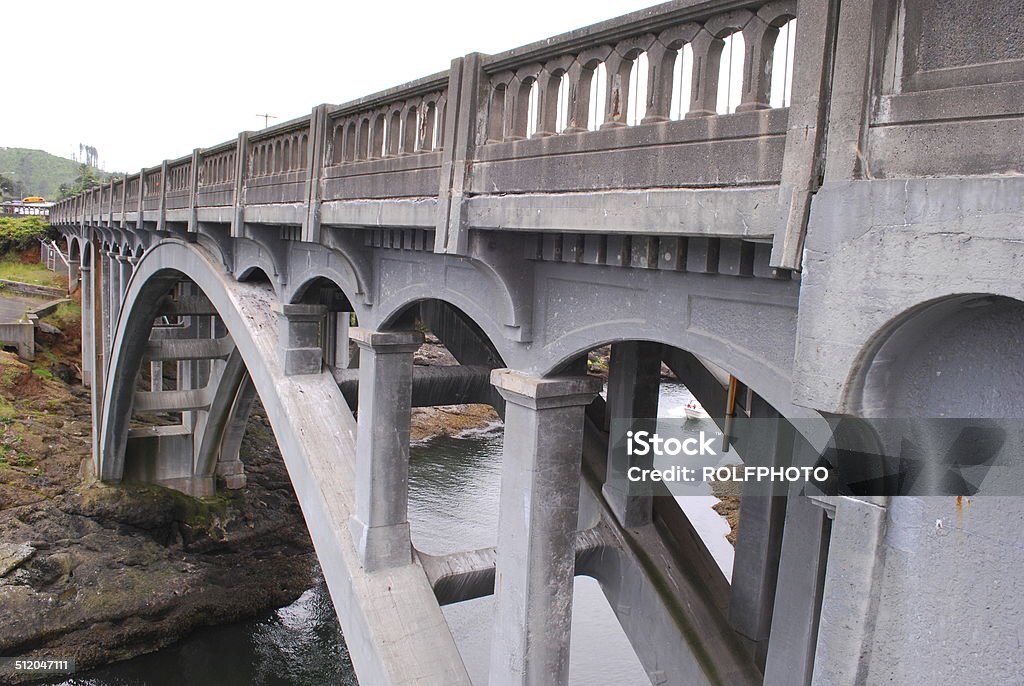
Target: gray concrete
[(856, 253), (380, 521), (539, 511)]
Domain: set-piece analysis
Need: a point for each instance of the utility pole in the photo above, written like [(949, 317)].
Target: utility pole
[(266, 119)]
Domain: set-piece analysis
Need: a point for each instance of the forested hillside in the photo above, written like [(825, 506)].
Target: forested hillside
[(34, 172)]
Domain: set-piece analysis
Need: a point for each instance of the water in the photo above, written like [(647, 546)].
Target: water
[(453, 506)]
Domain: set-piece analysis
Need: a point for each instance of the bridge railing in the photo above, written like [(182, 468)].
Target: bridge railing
[(635, 105), (178, 193), (275, 163), (635, 102), (216, 179), (398, 133)]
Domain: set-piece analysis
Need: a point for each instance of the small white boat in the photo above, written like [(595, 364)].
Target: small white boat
[(694, 411)]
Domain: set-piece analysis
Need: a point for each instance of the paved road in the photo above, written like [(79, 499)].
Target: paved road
[(13, 306)]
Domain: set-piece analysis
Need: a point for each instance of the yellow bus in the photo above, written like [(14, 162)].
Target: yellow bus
[(33, 198)]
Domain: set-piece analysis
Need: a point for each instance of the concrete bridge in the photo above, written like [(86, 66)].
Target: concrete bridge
[(845, 241)]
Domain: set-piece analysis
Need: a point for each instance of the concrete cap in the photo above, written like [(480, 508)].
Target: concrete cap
[(539, 392), (380, 340)]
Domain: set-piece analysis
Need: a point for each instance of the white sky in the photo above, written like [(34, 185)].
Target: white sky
[(145, 81)]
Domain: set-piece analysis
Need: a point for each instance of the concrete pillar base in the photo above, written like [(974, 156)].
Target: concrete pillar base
[(301, 338), (382, 547)]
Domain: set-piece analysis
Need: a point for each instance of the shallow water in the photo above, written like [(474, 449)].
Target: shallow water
[(453, 505)]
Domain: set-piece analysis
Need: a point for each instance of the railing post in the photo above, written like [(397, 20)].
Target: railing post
[(124, 202), (804, 156), (464, 85), (141, 222), (314, 173), (241, 165), (161, 217), (193, 189)]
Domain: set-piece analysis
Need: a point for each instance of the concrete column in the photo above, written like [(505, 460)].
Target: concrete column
[(88, 354), (539, 510), (301, 338), (794, 629), (105, 304), (74, 269), (156, 375), (634, 376), (769, 441), (850, 598), (126, 266), (380, 522)]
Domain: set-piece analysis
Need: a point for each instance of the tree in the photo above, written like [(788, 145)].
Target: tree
[(87, 178), (10, 188)]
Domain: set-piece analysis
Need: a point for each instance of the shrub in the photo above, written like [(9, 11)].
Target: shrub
[(20, 233)]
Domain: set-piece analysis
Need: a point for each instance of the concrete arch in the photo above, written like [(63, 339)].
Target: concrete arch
[(956, 356), (761, 376), (392, 308), (316, 433), (345, 280)]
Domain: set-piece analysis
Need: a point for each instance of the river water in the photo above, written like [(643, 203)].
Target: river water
[(453, 506)]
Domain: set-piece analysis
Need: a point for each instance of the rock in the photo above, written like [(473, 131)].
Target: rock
[(65, 372), (48, 328), (12, 555)]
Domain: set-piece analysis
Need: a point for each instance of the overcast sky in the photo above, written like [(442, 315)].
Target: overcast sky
[(143, 82)]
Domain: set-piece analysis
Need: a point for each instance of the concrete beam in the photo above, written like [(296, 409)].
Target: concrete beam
[(171, 401), (189, 349)]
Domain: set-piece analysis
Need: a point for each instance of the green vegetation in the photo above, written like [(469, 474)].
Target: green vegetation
[(67, 315), (21, 233), (34, 172), (13, 269)]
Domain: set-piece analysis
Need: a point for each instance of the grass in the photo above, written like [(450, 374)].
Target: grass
[(66, 315), (13, 269)]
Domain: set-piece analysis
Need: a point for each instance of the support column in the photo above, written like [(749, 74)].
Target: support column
[(380, 521), (107, 300), (769, 441), (539, 510), (794, 630), (301, 337), (74, 270), (88, 354), (634, 376)]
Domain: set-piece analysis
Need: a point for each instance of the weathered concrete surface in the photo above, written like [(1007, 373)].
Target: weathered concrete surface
[(316, 433)]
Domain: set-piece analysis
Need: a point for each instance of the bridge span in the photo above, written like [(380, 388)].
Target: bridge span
[(837, 233)]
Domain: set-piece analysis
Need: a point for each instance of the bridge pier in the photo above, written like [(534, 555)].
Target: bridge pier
[(540, 493), (380, 520), (88, 307), (634, 378)]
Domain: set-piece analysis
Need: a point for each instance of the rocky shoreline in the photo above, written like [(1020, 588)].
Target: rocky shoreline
[(103, 573)]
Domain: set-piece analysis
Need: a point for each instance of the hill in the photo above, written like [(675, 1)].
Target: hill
[(38, 172)]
